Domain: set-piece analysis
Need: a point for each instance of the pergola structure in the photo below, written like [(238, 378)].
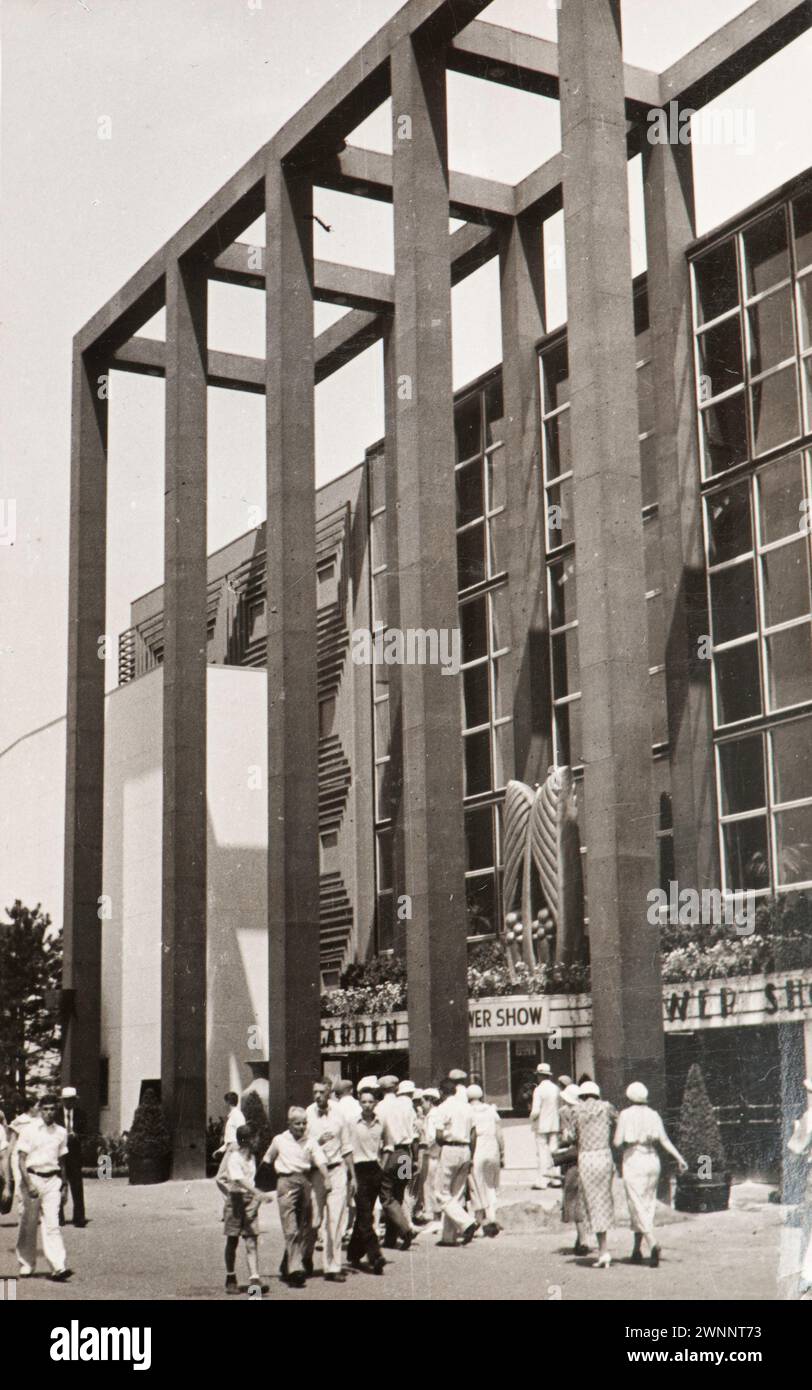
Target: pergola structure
[(604, 107)]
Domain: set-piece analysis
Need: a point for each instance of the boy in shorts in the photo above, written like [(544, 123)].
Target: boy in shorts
[(241, 1211)]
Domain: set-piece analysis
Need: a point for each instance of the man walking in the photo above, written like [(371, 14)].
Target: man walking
[(295, 1159), (42, 1152), (327, 1126), (234, 1121), (396, 1114), (454, 1129), (367, 1137), (74, 1123), (545, 1124), (345, 1100)]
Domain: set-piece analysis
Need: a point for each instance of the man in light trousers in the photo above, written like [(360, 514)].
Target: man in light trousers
[(295, 1160), (42, 1152), (455, 1133), (545, 1124), (328, 1127)]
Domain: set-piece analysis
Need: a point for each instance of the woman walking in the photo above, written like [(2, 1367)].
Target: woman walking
[(639, 1134), (489, 1159), (566, 1159), (593, 1121)]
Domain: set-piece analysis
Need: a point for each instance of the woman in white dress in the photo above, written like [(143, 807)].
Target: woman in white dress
[(640, 1134), (489, 1158)]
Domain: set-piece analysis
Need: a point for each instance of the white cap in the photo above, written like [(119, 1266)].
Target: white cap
[(368, 1083), (544, 1069), (431, 1092), (590, 1088), (69, 1093), (636, 1092), (571, 1094), (406, 1088), (474, 1092)]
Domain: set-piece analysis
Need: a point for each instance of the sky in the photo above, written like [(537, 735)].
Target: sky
[(119, 118)]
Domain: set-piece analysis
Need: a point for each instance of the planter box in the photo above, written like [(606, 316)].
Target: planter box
[(149, 1170), (702, 1194)]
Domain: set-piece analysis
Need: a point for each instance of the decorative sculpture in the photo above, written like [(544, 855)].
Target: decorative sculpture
[(541, 832)]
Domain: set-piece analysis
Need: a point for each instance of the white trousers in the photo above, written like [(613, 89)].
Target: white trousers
[(545, 1143), (452, 1172), (330, 1214), (41, 1210)]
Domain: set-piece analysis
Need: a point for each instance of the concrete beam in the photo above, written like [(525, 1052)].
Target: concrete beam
[(84, 791), (185, 826), (436, 955), (733, 51), (368, 174), (241, 264), (294, 981), (609, 558)]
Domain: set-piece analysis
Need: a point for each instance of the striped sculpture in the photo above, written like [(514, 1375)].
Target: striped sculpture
[(541, 833)]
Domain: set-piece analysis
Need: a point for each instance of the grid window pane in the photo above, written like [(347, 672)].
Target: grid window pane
[(381, 728), (717, 281), (766, 254), (385, 877), (380, 591), (774, 403), (477, 763), (496, 479), (502, 693), (792, 760), (473, 620), (738, 687), (494, 412), (556, 377), (502, 754), (377, 482), (377, 530), (720, 357), (733, 602), (741, 775), (724, 428), (802, 221), (558, 444), (563, 605), (785, 578), (471, 556), (479, 838), (560, 526), (746, 859), (497, 544), (793, 841), (780, 492), (804, 302), (772, 338), (500, 618), (470, 494), (566, 672), (386, 922), (476, 701), (480, 897), (382, 791), (468, 428), (789, 663), (728, 515)]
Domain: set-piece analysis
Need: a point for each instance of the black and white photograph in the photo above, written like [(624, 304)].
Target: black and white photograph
[(406, 664)]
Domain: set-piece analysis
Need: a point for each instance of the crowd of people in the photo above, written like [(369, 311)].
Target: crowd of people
[(433, 1155)]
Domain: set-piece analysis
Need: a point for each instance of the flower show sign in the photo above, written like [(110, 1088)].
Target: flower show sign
[(784, 997)]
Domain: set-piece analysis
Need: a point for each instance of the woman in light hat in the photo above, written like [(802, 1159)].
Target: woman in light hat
[(639, 1134), (566, 1159), (801, 1144), (593, 1121), (489, 1159)]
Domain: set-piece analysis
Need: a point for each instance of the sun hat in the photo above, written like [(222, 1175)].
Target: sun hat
[(637, 1093), (590, 1088), (474, 1092)]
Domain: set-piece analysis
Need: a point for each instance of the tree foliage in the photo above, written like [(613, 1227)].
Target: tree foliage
[(30, 968), (149, 1135)]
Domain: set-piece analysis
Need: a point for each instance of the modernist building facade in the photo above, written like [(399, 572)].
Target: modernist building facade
[(614, 521)]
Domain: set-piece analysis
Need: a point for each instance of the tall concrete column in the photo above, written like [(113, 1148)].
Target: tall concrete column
[(183, 936), (396, 806), (293, 804), (669, 206), (626, 991), (84, 790), (521, 270), (436, 952)]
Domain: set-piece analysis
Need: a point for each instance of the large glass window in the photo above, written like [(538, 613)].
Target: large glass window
[(751, 309), (764, 784)]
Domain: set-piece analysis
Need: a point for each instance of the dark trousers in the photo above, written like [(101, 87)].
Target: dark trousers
[(396, 1173), (363, 1240), (73, 1172)]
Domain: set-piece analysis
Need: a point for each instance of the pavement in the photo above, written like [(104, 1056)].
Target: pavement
[(166, 1242)]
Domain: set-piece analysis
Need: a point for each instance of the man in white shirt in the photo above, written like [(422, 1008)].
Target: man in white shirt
[(234, 1121), (453, 1127), (41, 1152), (295, 1159), (327, 1125), (345, 1100), (396, 1114), (545, 1124)]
